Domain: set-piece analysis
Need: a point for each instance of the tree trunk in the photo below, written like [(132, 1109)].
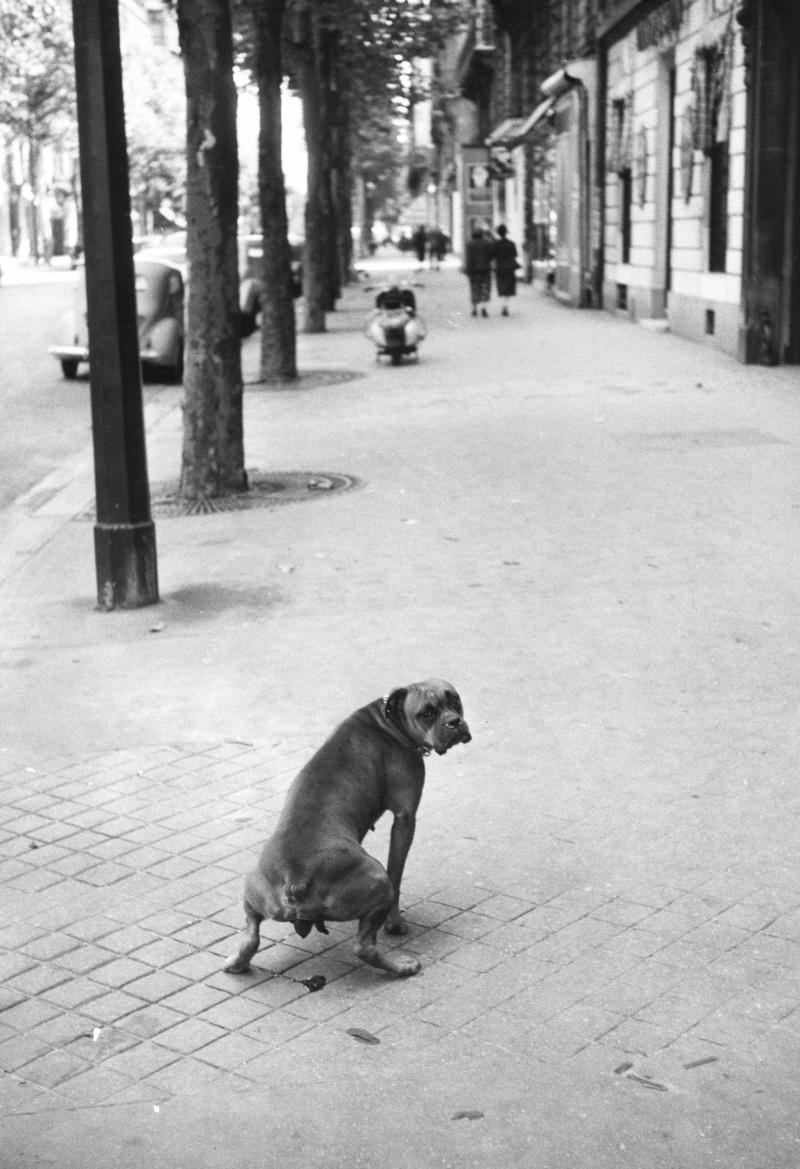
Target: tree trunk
[(35, 201), (308, 42), (213, 446), (278, 331)]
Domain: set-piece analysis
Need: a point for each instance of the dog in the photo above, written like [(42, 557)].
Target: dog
[(313, 868)]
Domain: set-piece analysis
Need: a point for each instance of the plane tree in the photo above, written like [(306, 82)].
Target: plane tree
[(213, 439), (351, 62)]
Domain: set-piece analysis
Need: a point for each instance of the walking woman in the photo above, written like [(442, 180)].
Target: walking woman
[(478, 268), (505, 268)]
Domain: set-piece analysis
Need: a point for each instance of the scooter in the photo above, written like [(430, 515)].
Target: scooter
[(393, 326)]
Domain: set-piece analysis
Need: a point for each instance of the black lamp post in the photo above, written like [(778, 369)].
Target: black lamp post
[(124, 534)]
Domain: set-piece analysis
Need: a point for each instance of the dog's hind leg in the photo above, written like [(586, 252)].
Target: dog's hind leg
[(249, 941), (366, 946)]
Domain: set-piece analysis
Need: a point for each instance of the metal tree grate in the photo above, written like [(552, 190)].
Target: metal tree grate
[(265, 490)]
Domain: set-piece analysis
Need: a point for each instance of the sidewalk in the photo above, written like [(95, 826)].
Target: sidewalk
[(590, 529)]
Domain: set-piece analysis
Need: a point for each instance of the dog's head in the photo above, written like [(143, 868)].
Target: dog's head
[(430, 713)]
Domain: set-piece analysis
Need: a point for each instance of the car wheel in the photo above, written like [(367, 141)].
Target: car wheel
[(69, 368)]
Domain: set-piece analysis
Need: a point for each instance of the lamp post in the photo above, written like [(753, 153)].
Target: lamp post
[(124, 533)]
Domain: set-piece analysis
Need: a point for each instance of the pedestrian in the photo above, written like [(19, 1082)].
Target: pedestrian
[(437, 246), (478, 268), (505, 267), (419, 242)]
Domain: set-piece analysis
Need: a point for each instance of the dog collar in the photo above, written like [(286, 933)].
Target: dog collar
[(419, 748)]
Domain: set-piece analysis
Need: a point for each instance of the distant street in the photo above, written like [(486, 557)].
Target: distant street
[(45, 419)]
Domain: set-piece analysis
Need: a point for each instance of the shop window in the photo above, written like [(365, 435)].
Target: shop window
[(625, 205), (718, 207)]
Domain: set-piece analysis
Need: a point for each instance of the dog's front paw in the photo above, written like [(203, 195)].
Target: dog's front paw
[(402, 965), (236, 965)]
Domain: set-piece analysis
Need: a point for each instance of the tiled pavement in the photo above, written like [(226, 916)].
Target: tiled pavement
[(603, 888), (122, 880)]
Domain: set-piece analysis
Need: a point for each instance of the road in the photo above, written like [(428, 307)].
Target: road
[(45, 419)]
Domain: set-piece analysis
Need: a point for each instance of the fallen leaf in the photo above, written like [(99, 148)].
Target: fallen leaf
[(468, 1114), (315, 982), (698, 1063), (362, 1036), (649, 1083), (623, 1067)]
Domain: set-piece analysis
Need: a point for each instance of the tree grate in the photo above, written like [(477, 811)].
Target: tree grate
[(308, 379), (265, 490)]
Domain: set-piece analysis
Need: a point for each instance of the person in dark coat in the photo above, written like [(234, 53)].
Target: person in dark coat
[(505, 267), (419, 241), (478, 268)]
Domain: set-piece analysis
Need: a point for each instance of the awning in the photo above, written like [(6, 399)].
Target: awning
[(505, 133), (541, 111), (512, 131)]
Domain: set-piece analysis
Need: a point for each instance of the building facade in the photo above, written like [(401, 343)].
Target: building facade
[(645, 152)]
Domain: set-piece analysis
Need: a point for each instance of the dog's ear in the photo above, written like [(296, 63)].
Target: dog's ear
[(395, 706)]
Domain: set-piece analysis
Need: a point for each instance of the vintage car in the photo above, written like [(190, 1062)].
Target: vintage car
[(251, 270), (251, 275), (159, 310)]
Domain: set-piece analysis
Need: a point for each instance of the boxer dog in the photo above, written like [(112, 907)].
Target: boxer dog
[(313, 868)]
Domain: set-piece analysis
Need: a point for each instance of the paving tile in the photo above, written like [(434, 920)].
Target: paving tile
[(34, 881), (100, 1043), (162, 952), (197, 966), (231, 1051), (476, 956), (150, 1020), (120, 972), (190, 1035), (156, 985), (233, 1013), (111, 1007), (167, 923), (95, 1086), (203, 933), (106, 874), (38, 979), (28, 1013), (276, 1027), (83, 959), (621, 912), (91, 929), (637, 1037), (21, 1050), (16, 935), (53, 1068), (18, 1096), (141, 1061), (74, 993), (129, 939), (194, 999), (184, 1077), (63, 1028)]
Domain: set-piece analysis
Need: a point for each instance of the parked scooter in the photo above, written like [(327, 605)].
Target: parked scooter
[(393, 326)]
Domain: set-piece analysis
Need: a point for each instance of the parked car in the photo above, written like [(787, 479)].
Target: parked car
[(159, 310), (251, 276), (251, 270)]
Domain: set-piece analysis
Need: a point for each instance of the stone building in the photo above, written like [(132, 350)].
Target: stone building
[(645, 152)]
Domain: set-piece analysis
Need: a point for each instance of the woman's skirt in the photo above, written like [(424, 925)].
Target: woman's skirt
[(506, 283), (480, 286)]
